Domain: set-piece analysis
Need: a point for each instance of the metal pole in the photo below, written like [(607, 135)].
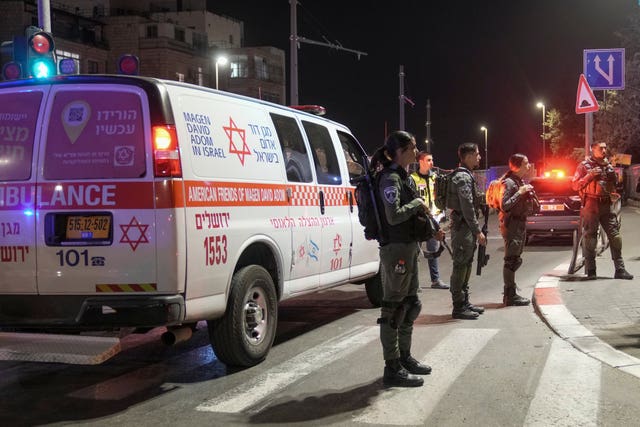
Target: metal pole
[(544, 142), (44, 15), (486, 148), (401, 75), (428, 126), (216, 74), (588, 133), (293, 47)]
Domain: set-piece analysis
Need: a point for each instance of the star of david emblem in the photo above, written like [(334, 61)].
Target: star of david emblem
[(140, 238), (337, 244), (230, 130)]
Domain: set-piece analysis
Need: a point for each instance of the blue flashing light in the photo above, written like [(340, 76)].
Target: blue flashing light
[(28, 212)]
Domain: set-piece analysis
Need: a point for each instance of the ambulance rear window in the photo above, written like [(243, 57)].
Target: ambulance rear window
[(18, 118), (95, 134)]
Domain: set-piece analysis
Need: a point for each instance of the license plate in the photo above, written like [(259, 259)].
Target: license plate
[(91, 227), (552, 207)]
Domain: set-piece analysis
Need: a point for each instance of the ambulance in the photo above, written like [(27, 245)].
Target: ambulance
[(131, 202)]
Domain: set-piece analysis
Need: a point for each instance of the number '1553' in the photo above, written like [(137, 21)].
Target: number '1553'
[(216, 249)]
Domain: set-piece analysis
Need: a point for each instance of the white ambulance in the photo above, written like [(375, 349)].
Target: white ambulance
[(137, 202)]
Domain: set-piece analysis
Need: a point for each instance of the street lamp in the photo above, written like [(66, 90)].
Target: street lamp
[(486, 156), (544, 155), (220, 60)]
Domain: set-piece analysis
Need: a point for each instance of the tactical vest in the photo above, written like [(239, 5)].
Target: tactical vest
[(405, 231), (602, 185)]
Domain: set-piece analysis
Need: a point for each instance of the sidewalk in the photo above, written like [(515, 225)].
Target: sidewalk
[(601, 317)]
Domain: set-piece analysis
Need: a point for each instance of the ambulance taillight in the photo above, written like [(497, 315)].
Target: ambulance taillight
[(166, 155)]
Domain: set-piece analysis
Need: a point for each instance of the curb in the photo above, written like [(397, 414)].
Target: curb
[(548, 302)]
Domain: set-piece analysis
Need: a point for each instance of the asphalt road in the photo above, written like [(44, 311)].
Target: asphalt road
[(506, 368)]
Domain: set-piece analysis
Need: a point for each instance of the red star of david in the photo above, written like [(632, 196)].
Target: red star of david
[(337, 243), (301, 251), (142, 237), (229, 130)]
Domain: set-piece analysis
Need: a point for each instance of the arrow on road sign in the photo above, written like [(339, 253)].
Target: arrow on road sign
[(585, 100)]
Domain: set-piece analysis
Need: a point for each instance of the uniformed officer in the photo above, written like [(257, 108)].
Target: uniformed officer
[(464, 200), (518, 201), (596, 179), (401, 207)]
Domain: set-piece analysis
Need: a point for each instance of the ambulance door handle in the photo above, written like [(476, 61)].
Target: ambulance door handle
[(321, 194), (350, 197)]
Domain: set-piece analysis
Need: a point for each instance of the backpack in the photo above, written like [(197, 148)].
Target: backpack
[(368, 207), (494, 193), (441, 189)]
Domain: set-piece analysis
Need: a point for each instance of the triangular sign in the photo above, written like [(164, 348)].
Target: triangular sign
[(585, 100)]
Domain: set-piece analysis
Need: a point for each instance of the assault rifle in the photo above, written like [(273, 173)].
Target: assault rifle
[(483, 258)]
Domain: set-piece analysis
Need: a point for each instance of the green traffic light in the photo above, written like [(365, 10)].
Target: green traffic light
[(42, 69)]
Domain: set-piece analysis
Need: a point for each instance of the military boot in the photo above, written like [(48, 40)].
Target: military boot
[(397, 376), (461, 311), (512, 298), (409, 363), (623, 274), (476, 308)]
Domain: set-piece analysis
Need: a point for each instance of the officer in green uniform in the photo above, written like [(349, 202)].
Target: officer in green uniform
[(596, 179), (518, 201), (401, 208), (464, 199)]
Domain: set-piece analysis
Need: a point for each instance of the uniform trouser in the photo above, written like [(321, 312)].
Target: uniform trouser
[(594, 213), (513, 234), (432, 246), (463, 244), (397, 283)]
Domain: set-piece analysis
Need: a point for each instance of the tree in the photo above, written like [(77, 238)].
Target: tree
[(564, 135), (618, 121)]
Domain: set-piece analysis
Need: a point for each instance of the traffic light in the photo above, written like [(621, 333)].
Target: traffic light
[(17, 50), (129, 65), (41, 60)]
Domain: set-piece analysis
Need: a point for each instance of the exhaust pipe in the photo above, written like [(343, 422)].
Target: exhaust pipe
[(175, 335)]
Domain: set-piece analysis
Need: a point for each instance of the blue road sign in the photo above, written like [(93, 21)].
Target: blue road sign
[(604, 68)]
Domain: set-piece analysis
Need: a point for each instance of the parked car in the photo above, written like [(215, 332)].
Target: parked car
[(559, 206)]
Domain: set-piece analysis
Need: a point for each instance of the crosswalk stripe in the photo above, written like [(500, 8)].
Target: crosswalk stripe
[(448, 360), (278, 377), (568, 391)]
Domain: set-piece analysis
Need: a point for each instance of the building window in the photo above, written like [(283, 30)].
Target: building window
[(230, 39), (200, 77), (152, 31), (262, 72), (178, 34), (92, 67), (270, 96), (180, 77), (238, 67)]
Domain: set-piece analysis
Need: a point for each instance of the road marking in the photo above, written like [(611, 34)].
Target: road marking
[(568, 391), (448, 360), (279, 377)]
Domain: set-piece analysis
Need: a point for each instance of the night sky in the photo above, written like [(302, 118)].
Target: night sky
[(483, 62)]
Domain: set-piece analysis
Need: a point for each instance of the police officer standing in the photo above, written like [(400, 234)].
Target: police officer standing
[(401, 207), (464, 200), (518, 201), (596, 179)]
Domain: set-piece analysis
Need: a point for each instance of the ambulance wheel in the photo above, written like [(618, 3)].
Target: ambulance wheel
[(244, 335), (373, 285)]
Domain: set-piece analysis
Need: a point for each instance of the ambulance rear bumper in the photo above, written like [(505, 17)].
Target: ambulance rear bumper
[(93, 312)]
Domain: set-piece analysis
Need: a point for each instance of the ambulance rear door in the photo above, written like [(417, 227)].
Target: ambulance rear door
[(20, 109), (95, 217)]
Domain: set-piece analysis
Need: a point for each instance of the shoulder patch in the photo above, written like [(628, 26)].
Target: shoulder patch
[(390, 194)]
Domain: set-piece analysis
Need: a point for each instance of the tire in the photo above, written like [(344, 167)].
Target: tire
[(244, 335), (373, 285)]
